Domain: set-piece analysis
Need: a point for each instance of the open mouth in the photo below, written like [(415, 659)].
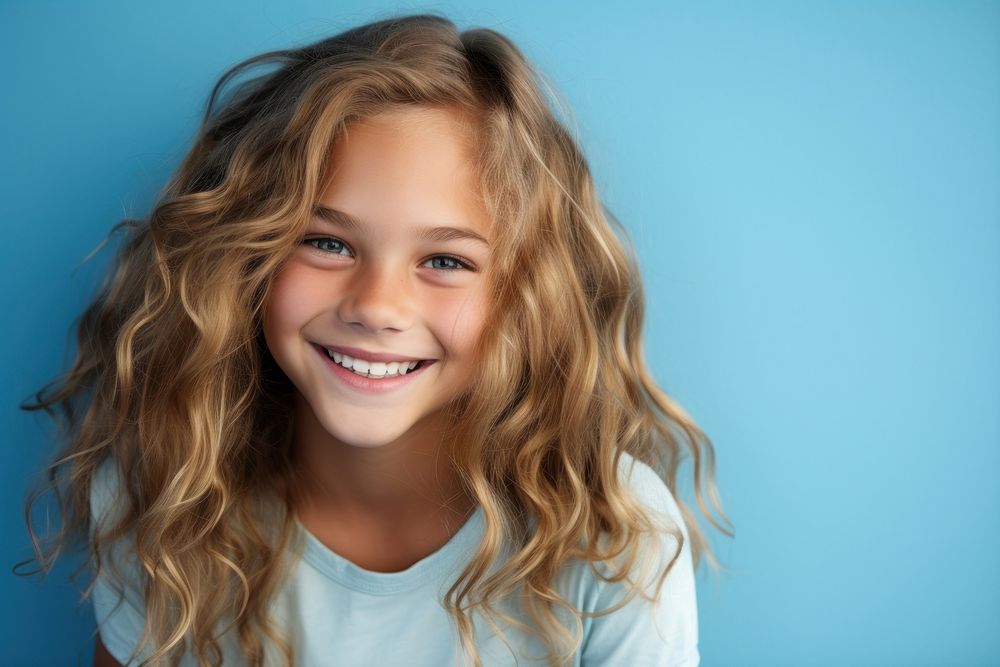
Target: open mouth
[(375, 369)]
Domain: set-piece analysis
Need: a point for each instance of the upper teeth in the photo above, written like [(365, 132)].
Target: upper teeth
[(375, 369)]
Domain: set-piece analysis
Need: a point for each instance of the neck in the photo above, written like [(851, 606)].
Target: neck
[(397, 484)]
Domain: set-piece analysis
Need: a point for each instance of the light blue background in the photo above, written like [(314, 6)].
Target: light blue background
[(813, 189)]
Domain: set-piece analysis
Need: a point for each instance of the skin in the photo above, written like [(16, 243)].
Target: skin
[(378, 493), (101, 656)]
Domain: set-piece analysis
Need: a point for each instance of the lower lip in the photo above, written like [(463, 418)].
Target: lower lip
[(369, 385)]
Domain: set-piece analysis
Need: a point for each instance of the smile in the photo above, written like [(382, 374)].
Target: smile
[(373, 369), (372, 376)]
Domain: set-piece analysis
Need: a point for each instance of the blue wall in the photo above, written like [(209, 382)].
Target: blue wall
[(813, 189)]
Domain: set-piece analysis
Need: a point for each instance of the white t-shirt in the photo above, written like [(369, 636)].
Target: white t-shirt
[(341, 614)]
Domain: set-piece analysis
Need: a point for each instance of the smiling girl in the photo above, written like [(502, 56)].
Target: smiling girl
[(367, 388), (374, 319)]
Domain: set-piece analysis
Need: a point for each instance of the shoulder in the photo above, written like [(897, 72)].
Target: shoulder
[(650, 489), (664, 632), (108, 504), (119, 608), (107, 494)]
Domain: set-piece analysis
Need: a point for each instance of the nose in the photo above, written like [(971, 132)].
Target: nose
[(377, 299)]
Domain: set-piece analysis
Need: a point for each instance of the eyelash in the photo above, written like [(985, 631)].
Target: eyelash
[(462, 264)]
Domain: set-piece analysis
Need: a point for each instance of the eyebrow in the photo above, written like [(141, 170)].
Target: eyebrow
[(439, 234)]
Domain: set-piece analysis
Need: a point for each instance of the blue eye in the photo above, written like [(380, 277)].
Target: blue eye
[(332, 245), (329, 245), (448, 263)]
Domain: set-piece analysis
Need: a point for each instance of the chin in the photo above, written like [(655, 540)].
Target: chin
[(363, 438), (367, 441)]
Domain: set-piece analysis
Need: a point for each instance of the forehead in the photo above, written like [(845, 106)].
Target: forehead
[(406, 163), (446, 133), (413, 120)]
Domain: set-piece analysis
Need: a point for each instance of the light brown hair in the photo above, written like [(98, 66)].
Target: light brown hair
[(172, 379)]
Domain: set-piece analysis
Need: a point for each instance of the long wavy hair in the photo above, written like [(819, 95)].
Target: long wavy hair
[(173, 381)]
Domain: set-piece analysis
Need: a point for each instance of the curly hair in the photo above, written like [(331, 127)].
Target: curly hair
[(172, 379)]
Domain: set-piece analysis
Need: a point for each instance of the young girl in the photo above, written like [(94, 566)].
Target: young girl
[(367, 388)]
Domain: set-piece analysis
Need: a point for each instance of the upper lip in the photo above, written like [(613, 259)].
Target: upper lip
[(358, 353)]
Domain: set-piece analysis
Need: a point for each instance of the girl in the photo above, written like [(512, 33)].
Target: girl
[(367, 386)]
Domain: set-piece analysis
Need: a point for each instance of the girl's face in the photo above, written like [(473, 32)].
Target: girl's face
[(391, 271)]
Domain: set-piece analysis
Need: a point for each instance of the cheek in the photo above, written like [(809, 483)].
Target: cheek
[(272, 325), (290, 301), (463, 325), (285, 312), (276, 310)]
